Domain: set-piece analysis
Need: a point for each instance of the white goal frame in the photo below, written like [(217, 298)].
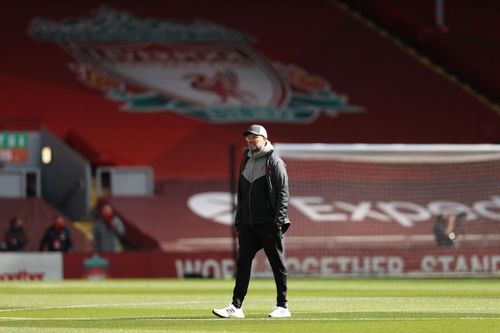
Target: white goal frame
[(387, 152), (418, 154)]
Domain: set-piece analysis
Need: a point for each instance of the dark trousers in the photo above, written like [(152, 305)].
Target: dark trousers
[(251, 239)]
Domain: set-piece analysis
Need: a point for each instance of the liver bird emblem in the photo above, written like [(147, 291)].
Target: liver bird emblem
[(222, 83)]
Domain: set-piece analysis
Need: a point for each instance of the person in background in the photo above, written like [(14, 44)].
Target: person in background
[(443, 230), (57, 237), (109, 231), (15, 238)]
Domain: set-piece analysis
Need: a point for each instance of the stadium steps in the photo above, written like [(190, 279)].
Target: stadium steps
[(85, 227)]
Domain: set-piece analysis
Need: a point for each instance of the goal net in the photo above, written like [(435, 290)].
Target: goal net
[(393, 209)]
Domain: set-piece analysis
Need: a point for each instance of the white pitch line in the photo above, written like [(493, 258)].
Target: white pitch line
[(247, 319), (134, 305), (145, 304), (101, 305), (419, 310)]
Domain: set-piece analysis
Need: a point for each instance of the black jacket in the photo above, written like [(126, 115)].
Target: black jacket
[(15, 239), (265, 200), (56, 240)]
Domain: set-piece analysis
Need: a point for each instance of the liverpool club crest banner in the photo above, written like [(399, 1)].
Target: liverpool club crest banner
[(200, 70)]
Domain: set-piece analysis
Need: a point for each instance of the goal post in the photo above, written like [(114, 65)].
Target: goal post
[(353, 202)]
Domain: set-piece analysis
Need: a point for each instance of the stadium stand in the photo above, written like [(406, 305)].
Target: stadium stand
[(380, 92), (38, 216), (401, 98), (467, 44)]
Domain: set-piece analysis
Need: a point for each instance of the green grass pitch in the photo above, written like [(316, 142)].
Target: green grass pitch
[(317, 305)]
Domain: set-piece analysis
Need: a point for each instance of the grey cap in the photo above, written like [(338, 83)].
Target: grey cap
[(257, 130)]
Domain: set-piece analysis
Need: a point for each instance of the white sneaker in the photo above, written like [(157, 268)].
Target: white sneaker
[(230, 312), (280, 312)]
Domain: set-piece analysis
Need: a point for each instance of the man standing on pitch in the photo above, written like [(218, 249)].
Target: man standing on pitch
[(261, 220)]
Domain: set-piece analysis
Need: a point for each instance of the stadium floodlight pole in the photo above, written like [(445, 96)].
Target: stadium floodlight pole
[(232, 191)]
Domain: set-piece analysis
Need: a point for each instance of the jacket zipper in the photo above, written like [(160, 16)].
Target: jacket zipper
[(250, 193)]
